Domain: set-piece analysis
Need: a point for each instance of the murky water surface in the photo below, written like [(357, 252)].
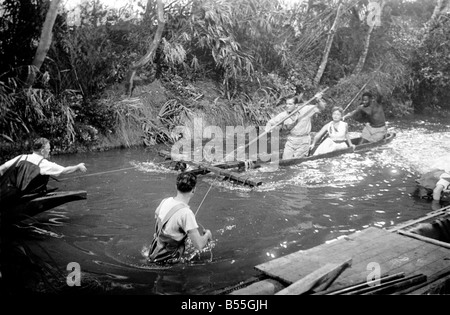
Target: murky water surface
[(295, 209)]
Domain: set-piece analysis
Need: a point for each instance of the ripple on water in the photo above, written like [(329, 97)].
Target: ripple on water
[(131, 252)]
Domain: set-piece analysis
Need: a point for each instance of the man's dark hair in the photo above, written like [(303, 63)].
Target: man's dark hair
[(38, 144), (367, 94), (186, 182)]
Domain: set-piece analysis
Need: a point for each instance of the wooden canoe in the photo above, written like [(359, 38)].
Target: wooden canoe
[(256, 164), (361, 147), (31, 205)]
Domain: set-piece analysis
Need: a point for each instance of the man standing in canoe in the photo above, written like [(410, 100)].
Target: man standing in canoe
[(299, 125), (175, 221), (370, 112)]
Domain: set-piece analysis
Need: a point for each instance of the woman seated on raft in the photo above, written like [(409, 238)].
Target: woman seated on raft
[(338, 137)]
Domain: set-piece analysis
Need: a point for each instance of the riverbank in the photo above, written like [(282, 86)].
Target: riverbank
[(148, 117)]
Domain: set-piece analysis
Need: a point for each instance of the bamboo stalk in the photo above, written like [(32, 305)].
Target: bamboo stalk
[(429, 216), (362, 285), (400, 284), (425, 239), (381, 287)]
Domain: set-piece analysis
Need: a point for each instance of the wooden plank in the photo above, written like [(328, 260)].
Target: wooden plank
[(354, 239), (286, 268), (388, 249), (426, 262), (379, 254), (385, 247), (324, 275), (332, 276), (425, 239), (423, 257), (390, 259)]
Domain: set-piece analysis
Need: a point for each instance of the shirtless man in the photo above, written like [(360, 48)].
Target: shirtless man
[(370, 112)]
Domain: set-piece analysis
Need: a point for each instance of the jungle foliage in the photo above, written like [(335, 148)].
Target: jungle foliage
[(256, 52)]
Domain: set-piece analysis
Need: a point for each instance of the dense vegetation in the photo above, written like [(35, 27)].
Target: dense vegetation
[(231, 60)]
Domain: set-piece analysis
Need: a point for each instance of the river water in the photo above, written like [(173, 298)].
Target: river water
[(296, 208)]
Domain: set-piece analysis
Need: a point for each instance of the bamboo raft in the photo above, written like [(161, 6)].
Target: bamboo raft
[(409, 263)]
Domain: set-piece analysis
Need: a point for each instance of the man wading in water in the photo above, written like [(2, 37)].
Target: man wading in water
[(175, 221), (370, 112)]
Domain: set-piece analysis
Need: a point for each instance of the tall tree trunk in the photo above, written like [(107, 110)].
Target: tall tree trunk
[(362, 58), (330, 38), (148, 9), (148, 57), (44, 42)]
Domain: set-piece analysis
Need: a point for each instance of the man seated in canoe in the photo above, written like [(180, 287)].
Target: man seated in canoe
[(29, 173), (370, 112), (299, 126), (336, 133)]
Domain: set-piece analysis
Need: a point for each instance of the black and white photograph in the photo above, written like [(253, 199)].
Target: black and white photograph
[(223, 152)]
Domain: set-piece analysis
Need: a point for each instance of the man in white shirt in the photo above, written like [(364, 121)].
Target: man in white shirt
[(175, 221), (299, 125), (29, 173)]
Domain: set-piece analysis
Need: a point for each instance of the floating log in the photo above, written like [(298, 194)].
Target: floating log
[(180, 157), (218, 169), (246, 180), (319, 279)]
